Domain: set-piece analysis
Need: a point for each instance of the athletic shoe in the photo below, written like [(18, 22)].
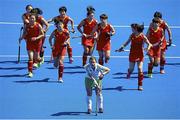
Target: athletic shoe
[(149, 75), (100, 110), (140, 88), (36, 65), (162, 71), (30, 74), (89, 111), (71, 60), (60, 80), (42, 60)]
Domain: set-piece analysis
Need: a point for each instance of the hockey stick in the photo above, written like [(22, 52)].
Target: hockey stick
[(124, 50), (74, 37), (19, 46)]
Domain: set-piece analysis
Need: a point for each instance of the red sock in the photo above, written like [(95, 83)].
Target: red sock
[(69, 50), (61, 70), (150, 67), (140, 78), (101, 62), (30, 66), (84, 59)]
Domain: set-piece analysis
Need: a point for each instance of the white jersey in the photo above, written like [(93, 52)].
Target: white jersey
[(95, 73)]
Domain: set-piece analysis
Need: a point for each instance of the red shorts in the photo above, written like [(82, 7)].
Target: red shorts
[(61, 51), (103, 47), (136, 58), (33, 45), (155, 52), (88, 41)]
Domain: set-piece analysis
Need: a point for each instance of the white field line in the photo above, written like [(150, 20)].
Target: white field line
[(116, 26), (48, 56)]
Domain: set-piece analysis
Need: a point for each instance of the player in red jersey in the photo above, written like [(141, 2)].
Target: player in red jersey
[(164, 26), (88, 24), (61, 39), (104, 31), (137, 39), (66, 19), (25, 16), (40, 19), (33, 34), (155, 35)]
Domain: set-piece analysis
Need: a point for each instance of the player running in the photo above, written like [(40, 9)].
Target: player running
[(66, 19), (33, 34), (88, 25), (137, 39), (61, 39)]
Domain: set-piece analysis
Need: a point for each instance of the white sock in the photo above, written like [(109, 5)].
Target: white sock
[(100, 101), (89, 102)]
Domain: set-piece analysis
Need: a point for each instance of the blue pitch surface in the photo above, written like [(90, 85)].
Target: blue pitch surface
[(42, 97)]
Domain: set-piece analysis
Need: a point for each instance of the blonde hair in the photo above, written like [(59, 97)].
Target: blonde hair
[(92, 58)]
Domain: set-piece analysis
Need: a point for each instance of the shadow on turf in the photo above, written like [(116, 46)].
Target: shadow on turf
[(68, 113), (13, 68), (119, 88), (134, 73), (11, 76), (13, 62), (32, 81), (74, 67), (173, 64)]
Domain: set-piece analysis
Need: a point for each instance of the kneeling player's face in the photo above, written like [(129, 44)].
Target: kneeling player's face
[(93, 62)]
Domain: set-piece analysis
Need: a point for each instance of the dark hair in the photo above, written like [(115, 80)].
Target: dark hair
[(92, 58), (90, 8), (103, 16), (140, 28), (134, 25), (155, 20), (158, 14), (37, 11), (63, 8), (28, 6)]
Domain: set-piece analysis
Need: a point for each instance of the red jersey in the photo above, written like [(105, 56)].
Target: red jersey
[(39, 20), (65, 20), (162, 25), (136, 51), (60, 38), (33, 31), (155, 35), (26, 15), (104, 42), (87, 29), (164, 43)]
